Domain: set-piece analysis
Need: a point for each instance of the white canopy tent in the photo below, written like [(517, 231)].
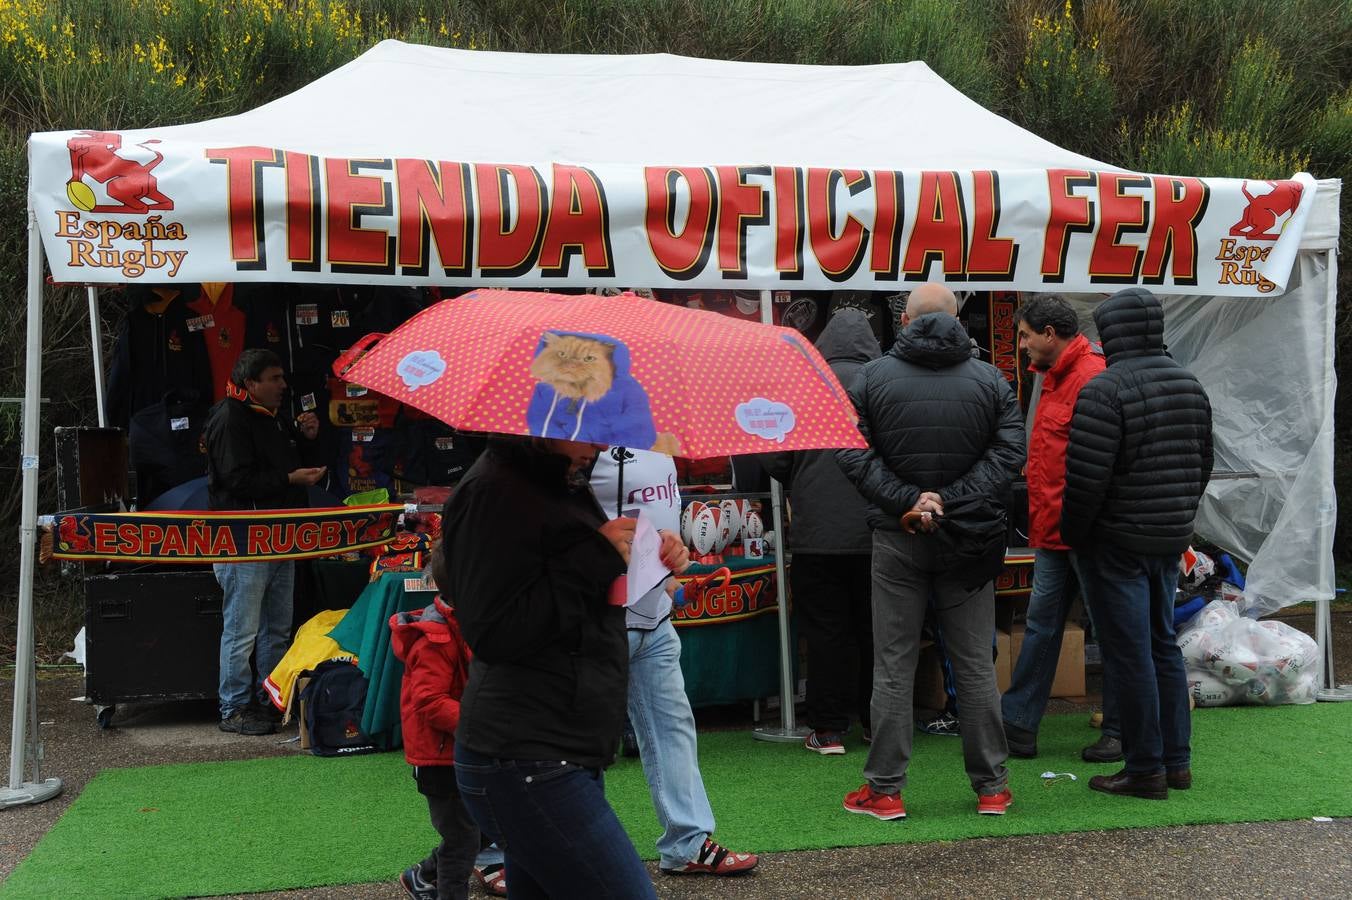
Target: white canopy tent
[(421, 165)]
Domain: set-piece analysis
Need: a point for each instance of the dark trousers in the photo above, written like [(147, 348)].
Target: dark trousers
[(452, 861), (559, 835), (1132, 599), (832, 597)]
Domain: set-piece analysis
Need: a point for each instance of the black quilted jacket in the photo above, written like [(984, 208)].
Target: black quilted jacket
[(1140, 439), (936, 420)]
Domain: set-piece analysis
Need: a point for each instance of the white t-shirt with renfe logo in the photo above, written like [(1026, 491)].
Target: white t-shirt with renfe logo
[(649, 485)]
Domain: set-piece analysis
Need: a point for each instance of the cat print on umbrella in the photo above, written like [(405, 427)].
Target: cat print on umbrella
[(585, 392)]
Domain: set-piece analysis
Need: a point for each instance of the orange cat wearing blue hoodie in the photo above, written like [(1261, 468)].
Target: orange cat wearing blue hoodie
[(585, 392)]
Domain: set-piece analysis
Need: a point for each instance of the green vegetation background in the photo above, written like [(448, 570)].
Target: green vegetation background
[(1241, 88)]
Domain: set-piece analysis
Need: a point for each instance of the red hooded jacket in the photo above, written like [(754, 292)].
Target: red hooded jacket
[(436, 666), (1046, 472)]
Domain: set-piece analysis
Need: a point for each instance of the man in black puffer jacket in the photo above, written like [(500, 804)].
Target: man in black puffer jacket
[(945, 441), (1138, 461)]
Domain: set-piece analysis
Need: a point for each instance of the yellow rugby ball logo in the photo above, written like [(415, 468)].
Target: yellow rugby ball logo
[(80, 194)]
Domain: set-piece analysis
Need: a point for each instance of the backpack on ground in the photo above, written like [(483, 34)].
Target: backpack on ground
[(333, 702)]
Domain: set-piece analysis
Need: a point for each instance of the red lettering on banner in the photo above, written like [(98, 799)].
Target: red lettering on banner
[(351, 528), (989, 257), (838, 255), (1004, 335), (579, 222), (330, 534), (889, 196), (199, 539), (105, 537), (940, 232), (1180, 204), (436, 205), (789, 223), (173, 541), (304, 224), (258, 540), (244, 200), (128, 538), (151, 536), (223, 543), (740, 206), (1111, 261), (284, 537), (1070, 214), (680, 254), (753, 590), (307, 537), (509, 237), (352, 196)]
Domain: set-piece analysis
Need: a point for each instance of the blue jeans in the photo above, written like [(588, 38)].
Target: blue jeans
[(551, 819), (1035, 670), (665, 727), (1133, 600), (256, 611)]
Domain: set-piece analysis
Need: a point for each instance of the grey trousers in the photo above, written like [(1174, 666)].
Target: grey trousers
[(906, 571)]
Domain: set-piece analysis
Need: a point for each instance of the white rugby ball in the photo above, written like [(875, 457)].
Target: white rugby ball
[(753, 527), (724, 530), (704, 530), (734, 511), (692, 509)]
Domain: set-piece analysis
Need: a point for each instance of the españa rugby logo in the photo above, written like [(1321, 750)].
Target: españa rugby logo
[(1258, 222), (129, 186)]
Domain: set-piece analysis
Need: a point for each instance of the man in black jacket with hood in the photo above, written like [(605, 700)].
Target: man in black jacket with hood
[(945, 441), (1137, 464)]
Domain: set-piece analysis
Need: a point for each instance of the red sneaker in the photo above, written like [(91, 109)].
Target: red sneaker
[(867, 802), (827, 743), (716, 860), (994, 804)]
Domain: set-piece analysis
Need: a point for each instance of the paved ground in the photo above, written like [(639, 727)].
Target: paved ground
[(1284, 859)]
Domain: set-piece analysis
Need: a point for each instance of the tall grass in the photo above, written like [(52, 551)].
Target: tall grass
[(1251, 88)]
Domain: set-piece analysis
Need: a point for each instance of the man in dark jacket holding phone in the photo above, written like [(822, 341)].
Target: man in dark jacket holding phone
[(255, 460), (945, 434), (1137, 463)]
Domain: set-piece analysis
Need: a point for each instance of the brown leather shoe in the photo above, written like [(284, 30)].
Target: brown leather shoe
[(1125, 784), (1179, 779)]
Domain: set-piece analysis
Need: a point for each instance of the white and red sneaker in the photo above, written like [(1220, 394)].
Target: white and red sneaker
[(867, 802), (994, 804), (714, 859), (827, 743)]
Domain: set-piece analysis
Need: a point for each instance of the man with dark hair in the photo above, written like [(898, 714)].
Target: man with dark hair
[(1049, 332), (1137, 464), (254, 461), (945, 440)]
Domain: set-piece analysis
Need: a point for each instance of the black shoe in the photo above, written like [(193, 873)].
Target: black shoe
[(239, 722), (417, 887), (1125, 784), (1022, 742), (629, 744), (944, 724), (1105, 750), (1179, 779)]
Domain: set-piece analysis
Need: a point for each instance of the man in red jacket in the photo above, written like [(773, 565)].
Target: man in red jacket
[(1049, 333)]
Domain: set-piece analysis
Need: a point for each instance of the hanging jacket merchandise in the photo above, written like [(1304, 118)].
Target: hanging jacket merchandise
[(155, 351), (164, 443), (221, 322)]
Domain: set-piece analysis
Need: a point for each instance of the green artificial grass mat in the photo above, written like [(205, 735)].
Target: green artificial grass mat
[(291, 822)]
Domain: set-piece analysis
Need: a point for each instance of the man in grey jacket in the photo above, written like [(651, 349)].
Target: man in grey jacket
[(945, 441), (832, 559)]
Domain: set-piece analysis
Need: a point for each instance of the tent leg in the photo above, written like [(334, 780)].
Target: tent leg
[(24, 745), (788, 732), (96, 346)]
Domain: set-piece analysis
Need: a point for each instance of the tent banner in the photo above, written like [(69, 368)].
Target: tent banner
[(748, 592), (212, 537), (136, 209)]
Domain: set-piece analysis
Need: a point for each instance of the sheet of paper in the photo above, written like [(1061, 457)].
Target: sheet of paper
[(645, 564)]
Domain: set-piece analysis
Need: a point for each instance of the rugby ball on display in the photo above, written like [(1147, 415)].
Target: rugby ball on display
[(735, 512), (753, 527), (692, 509), (704, 530), (724, 530)]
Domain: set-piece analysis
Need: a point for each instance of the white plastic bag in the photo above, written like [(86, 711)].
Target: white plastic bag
[(1232, 659)]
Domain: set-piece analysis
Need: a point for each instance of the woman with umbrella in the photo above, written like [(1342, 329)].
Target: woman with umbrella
[(532, 562)]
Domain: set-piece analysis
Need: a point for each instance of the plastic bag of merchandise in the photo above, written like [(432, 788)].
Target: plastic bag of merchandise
[(1208, 690), (1199, 638), (1232, 659)]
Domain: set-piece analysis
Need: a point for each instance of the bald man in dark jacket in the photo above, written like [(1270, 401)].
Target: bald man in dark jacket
[(1137, 464), (945, 441)]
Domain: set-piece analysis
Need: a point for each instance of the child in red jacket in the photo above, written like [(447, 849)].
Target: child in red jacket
[(436, 665)]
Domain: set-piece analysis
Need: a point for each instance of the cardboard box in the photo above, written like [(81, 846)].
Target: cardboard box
[(929, 677), (1069, 678), (299, 706), (1004, 660)]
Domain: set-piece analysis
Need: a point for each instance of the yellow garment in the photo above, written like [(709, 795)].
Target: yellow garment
[(310, 648)]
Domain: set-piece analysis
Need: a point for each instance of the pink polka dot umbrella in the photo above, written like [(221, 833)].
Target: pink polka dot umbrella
[(620, 370)]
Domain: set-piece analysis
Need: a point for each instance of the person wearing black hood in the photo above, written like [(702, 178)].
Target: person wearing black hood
[(945, 442), (832, 558), (1137, 463)]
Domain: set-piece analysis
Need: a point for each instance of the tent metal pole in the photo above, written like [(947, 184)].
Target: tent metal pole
[(96, 346), (788, 732), (1329, 689), (25, 685)]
